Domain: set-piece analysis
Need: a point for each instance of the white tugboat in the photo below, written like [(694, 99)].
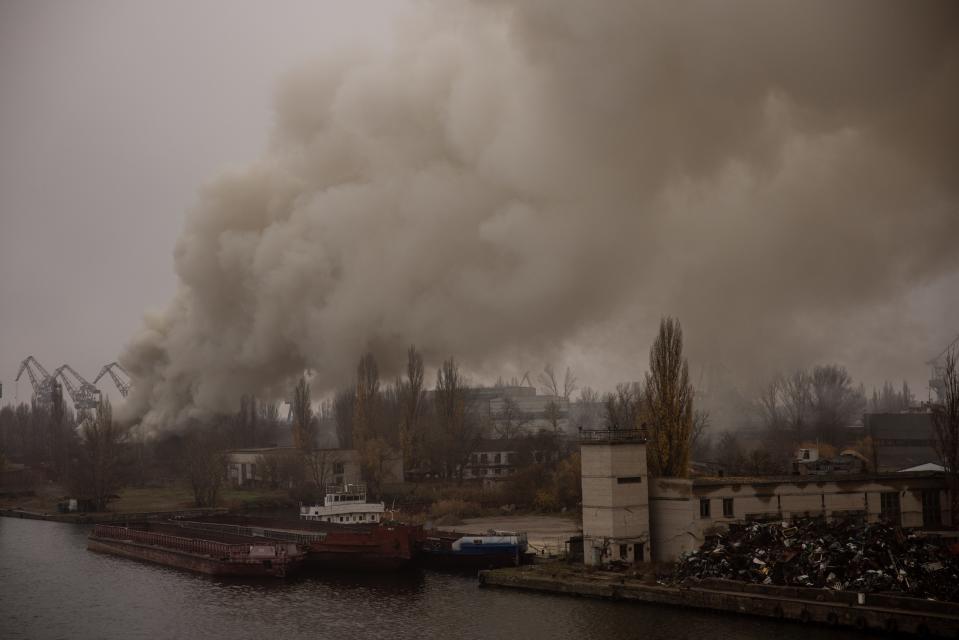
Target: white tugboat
[(345, 504)]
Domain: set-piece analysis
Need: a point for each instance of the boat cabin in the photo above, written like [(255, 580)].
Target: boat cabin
[(345, 504)]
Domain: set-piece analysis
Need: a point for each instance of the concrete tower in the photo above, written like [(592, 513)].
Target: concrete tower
[(615, 496)]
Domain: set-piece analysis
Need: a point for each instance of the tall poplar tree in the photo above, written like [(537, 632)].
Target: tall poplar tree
[(669, 403)]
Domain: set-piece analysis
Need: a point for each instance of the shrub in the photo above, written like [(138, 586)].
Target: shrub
[(456, 508), (545, 500)]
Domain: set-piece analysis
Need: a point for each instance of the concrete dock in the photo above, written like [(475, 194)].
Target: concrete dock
[(811, 606)]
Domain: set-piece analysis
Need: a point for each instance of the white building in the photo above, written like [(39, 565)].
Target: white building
[(615, 497)]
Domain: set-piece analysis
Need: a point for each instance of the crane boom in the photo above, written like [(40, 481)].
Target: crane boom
[(112, 368), (40, 380), (84, 394)]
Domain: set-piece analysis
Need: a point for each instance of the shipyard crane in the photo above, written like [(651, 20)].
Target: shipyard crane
[(41, 381), (112, 368), (83, 393)]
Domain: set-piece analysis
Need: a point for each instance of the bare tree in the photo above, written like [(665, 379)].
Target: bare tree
[(205, 466), (268, 468), (890, 399), (390, 413), (669, 403), (510, 420), (101, 451), (588, 413), (458, 431), (367, 400), (412, 400), (945, 421), (623, 408), (343, 403), (60, 434), (547, 380), (835, 402), (553, 415), (269, 420), (376, 455), (700, 425), (796, 397), (245, 423), (320, 464), (303, 421), (569, 384), (551, 385)]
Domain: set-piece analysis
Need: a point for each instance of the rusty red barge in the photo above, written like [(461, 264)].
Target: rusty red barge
[(383, 546), (211, 552)]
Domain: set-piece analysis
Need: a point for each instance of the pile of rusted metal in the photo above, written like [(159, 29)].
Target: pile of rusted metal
[(841, 555)]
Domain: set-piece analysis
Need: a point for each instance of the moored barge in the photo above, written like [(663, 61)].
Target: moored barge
[(384, 546), (453, 550), (210, 552)]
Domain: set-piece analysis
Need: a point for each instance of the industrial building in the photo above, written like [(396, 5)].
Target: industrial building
[(629, 517), (337, 466)]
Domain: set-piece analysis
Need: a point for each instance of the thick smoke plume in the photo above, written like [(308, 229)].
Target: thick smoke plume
[(512, 176)]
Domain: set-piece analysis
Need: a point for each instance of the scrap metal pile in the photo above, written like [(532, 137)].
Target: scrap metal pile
[(842, 555)]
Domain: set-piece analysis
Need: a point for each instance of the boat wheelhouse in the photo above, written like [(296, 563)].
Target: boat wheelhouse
[(345, 504)]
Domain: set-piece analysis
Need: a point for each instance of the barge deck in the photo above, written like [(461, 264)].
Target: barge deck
[(212, 553)]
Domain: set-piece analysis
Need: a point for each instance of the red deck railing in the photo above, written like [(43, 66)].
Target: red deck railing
[(189, 545)]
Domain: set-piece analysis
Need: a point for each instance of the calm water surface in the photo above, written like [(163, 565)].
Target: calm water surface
[(52, 587)]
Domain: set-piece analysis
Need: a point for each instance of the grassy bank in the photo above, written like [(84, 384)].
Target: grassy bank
[(150, 499)]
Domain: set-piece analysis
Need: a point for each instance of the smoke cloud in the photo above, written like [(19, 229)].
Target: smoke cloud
[(512, 178)]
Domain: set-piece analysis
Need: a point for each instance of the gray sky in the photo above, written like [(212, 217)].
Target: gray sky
[(112, 115), (545, 180)]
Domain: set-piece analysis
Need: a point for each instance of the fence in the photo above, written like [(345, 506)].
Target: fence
[(251, 532), (189, 545), (612, 435)]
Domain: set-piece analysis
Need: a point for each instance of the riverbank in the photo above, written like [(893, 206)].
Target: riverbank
[(820, 606), (42, 503), (106, 516)]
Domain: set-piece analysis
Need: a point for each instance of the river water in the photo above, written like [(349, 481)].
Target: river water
[(52, 587)]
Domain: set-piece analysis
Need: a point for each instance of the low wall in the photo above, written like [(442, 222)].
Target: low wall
[(673, 524), (839, 609)]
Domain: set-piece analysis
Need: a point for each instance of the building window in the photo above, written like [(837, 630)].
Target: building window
[(624, 552), (499, 471), (638, 552), (728, 507), (338, 468), (474, 458), (931, 511), (509, 458), (889, 509), (629, 480), (483, 458), (704, 507), (495, 458)]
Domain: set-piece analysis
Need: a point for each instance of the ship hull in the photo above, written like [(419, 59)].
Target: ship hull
[(338, 547)]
